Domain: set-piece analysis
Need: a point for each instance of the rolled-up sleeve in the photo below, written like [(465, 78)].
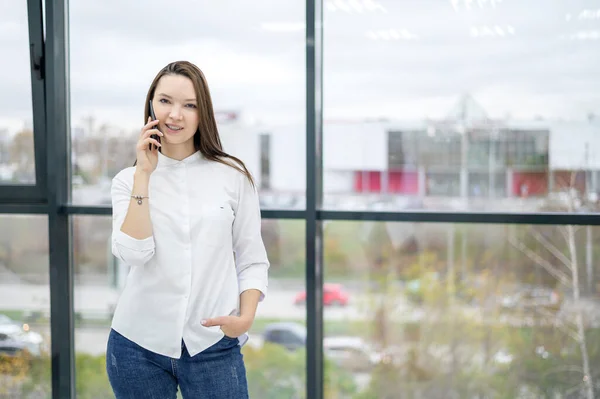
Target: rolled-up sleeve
[(130, 250), (251, 259)]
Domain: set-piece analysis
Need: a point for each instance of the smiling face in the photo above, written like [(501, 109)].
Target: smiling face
[(176, 107), (181, 102)]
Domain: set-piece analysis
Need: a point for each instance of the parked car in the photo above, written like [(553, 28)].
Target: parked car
[(10, 346), (333, 295), (530, 298), (351, 353), (15, 337), (290, 335)]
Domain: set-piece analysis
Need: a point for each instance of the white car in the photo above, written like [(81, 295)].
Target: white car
[(15, 337), (351, 353)]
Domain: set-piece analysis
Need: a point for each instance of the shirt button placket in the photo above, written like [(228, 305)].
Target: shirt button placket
[(186, 226)]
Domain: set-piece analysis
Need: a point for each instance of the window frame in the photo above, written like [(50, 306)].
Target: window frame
[(27, 194), (51, 193)]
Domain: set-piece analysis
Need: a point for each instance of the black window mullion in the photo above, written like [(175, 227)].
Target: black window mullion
[(58, 191), (314, 193), (21, 193), (38, 92)]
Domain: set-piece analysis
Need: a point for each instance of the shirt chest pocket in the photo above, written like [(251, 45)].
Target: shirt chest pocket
[(215, 225)]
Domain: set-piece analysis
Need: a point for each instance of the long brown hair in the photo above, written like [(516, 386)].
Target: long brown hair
[(206, 138)]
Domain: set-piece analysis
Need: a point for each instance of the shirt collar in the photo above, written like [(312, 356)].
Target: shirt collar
[(164, 160)]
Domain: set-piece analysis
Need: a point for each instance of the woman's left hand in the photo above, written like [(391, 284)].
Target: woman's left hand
[(232, 326)]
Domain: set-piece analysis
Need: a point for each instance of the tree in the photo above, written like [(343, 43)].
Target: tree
[(22, 156), (564, 267), (13, 374)]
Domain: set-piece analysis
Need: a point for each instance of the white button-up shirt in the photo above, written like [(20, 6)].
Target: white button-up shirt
[(205, 250)]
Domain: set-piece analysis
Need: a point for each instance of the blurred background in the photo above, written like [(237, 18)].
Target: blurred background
[(431, 105)]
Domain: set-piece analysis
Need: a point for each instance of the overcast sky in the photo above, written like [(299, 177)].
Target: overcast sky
[(401, 59)]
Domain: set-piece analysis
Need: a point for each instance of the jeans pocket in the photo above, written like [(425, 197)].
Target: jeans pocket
[(225, 336)]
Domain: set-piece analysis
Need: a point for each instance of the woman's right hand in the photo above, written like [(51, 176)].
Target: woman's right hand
[(147, 158)]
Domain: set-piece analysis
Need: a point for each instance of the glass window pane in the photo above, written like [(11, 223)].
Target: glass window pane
[(467, 105), (424, 310), (25, 369), (17, 161), (275, 353), (254, 65)]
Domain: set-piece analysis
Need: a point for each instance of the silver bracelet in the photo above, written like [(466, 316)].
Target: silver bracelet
[(139, 198)]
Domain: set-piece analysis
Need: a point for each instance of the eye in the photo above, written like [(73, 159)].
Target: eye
[(191, 105), (163, 101)]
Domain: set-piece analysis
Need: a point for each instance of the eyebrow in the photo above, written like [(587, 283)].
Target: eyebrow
[(168, 96)]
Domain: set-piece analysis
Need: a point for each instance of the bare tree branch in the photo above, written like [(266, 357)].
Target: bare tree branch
[(568, 233), (563, 231), (551, 247), (559, 275)]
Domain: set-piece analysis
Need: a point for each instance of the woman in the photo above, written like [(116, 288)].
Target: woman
[(186, 219)]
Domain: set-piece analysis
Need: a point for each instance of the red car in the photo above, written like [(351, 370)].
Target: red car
[(333, 295)]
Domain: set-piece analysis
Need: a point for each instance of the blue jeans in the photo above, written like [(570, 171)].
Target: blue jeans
[(137, 373)]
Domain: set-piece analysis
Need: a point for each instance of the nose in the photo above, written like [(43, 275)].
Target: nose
[(175, 112)]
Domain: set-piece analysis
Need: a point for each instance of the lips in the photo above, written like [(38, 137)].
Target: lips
[(173, 129)]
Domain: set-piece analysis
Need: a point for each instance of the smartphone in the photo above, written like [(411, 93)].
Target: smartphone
[(154, 136)]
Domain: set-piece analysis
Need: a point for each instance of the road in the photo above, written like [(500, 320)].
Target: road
[(99, 300), (96, 301)]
